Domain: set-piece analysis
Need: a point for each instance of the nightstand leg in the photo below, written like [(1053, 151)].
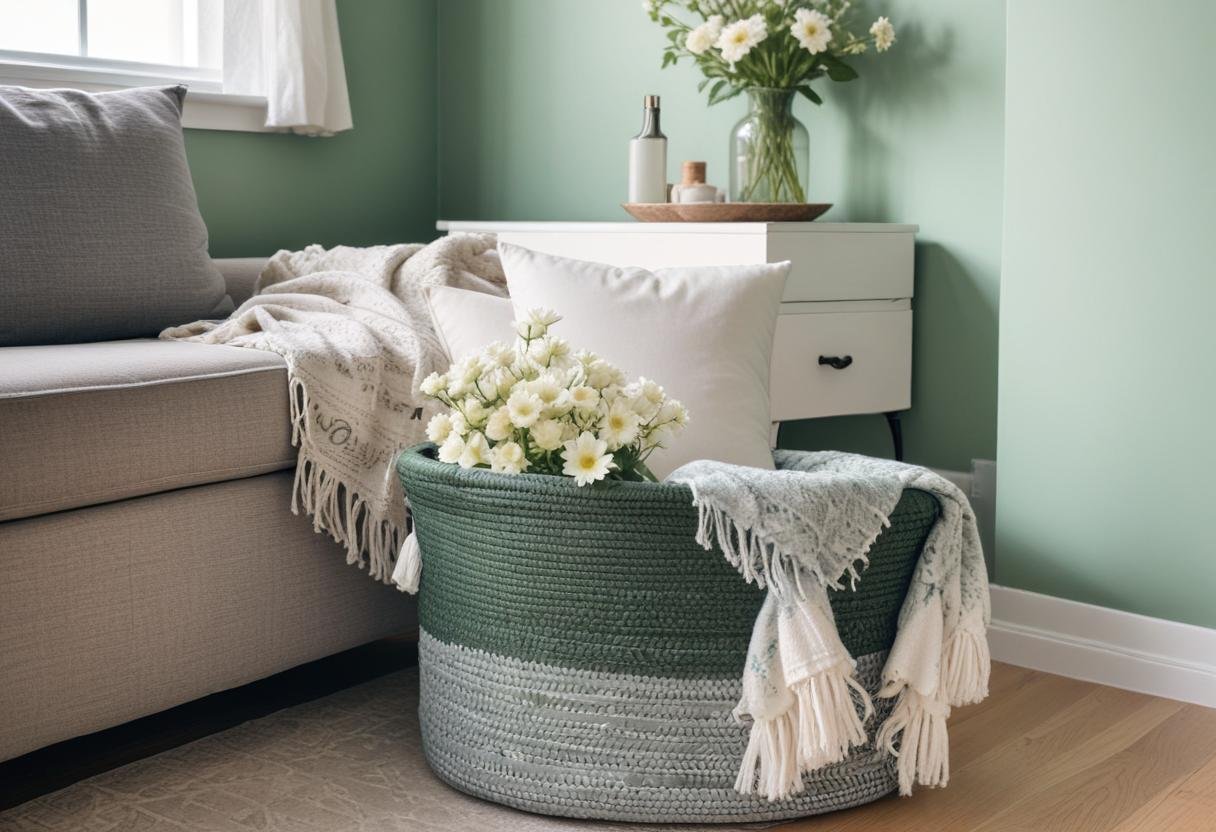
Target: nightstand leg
[(897, 433)]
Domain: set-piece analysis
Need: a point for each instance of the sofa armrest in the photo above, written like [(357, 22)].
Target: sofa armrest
[(240, 273)]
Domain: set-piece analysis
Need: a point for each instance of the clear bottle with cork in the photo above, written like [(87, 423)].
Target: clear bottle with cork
[(648, 157)]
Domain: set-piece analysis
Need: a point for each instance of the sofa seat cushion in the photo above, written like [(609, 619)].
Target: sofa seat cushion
[(82, 424)]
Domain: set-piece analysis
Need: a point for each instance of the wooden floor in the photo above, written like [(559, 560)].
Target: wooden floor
[(1044, 753)]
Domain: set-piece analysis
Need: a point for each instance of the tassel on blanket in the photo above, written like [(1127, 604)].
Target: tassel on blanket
[(816, 731), (770, 761), (965, 667), (828, 724), (409, 565), (924, 747)]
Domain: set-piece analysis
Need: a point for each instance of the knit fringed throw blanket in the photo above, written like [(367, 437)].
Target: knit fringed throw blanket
[(801, 530), (355, 331)]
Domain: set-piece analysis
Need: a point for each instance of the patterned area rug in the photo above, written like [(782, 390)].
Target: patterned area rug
[(350, 762)]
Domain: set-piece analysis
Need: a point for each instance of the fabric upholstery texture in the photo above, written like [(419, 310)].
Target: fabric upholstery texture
[(101, 229), (91, 423), (705, 333), (113, 612)]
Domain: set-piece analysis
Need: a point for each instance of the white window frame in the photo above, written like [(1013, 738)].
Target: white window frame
[(207, 106)]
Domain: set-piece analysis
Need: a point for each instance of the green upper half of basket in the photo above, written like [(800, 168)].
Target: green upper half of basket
[(608, 577)]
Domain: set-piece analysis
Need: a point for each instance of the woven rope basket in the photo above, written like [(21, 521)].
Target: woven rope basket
[(580, 653)]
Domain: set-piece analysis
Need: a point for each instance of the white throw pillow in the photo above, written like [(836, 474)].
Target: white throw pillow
[(705, 333), (467, 321)]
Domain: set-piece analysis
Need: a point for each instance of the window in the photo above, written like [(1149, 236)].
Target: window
[(108, 44)]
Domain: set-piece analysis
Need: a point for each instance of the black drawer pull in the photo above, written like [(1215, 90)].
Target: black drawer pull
[(835, 361)]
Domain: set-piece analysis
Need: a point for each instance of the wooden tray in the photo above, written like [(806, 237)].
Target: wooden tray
[(725, 211)]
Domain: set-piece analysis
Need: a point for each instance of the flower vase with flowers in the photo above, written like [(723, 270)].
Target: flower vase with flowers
[(773, 50)]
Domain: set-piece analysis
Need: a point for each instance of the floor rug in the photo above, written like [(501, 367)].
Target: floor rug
[(350, 762)]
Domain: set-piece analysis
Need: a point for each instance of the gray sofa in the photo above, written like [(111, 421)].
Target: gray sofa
[(148, 552)]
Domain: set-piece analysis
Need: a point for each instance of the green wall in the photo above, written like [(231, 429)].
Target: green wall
[(1107, 388), (539, 99), (374, 184)]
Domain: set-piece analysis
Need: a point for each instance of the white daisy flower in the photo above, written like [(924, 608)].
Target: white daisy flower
[(498, 425), (527, 329), (552, 393), (620, 425), (535, 323), (673, 411), (452, 448), (737, 39), (884, 34), (701, 39), (503, 382), (601, 374), (525, 408), (547, 434), (550, 351), (508, 458), (439, 428), (646, 397), (476, 451), (543, 317), (498, 354), (433, 383), (584, 398), (587, 459), (812, 29), (475, 412)]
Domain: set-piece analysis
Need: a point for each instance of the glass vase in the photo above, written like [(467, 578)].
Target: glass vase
[(769, 150)]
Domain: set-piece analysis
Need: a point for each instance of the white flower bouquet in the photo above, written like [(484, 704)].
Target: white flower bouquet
[(536, 406), (772, 49)]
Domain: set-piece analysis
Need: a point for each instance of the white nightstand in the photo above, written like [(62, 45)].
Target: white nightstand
[(844, 338)]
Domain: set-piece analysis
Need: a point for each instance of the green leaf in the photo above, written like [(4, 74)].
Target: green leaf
[(703, 84), (838, 70), (810, 94), (715, 90), (668, 60)]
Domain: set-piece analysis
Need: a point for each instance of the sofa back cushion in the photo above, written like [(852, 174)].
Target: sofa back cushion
[(102, 238)]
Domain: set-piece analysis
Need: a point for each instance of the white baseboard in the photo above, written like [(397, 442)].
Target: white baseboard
[(1096, 644)]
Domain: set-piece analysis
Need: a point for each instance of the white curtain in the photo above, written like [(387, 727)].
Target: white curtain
[(289, 52)]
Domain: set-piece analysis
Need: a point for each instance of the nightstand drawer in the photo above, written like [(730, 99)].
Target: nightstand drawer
[(837, 363)]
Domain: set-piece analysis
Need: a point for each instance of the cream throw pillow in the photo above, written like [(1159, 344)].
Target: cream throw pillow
[(467, 321), (705, 333)]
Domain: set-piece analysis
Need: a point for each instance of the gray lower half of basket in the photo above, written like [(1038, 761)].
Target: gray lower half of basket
[(586, 744)]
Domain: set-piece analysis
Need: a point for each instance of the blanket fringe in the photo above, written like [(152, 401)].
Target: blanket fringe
[(344, 515), (770, 763), (816, 731), (966, 664), (336, 510), (828, 723), (924, 748), (759, 561)]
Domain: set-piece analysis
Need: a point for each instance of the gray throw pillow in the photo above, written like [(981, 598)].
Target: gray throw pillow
[(100, 235)]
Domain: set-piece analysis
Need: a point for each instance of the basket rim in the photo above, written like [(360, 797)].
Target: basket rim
[(419, 460)]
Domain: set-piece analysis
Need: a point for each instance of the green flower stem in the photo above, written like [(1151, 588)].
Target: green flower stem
[(773, 172)]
